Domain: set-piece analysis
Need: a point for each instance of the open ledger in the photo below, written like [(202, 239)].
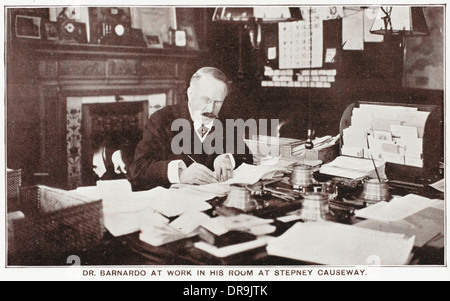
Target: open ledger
[(338, 244)]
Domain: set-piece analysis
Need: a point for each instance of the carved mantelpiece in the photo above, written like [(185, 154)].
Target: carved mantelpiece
[(64, 72)]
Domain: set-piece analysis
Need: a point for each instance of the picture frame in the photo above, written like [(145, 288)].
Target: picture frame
[(153, 40), (28, 27), (51, 31), (72, 32), (154, 20), (191, 38)]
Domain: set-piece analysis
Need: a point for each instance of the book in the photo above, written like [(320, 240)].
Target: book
[(229, 238)]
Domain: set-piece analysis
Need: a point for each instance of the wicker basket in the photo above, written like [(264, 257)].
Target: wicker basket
[(14, 180), (56, 221)]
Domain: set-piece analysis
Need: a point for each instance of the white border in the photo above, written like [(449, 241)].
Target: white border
[(373, 273)]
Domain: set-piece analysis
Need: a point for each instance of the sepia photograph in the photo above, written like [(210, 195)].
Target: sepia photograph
[(228, 142)]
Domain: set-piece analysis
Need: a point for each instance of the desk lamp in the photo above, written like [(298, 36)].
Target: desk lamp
[(401, 21)]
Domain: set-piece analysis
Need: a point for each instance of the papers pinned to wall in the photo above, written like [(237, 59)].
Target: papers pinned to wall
[(353, 30)]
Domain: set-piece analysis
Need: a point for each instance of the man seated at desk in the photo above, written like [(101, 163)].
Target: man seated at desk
[(162, 157)]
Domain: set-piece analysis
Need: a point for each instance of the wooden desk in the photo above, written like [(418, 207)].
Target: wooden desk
[(130, 250)]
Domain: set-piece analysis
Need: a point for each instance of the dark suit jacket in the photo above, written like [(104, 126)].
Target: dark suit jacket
[(154, 152)]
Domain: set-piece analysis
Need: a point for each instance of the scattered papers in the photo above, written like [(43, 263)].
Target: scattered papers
[(190, 221), (396, 209), (353, 168), (156, 231), (242, 222), (339, 244), (124, 210)]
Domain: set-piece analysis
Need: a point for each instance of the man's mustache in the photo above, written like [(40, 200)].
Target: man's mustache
[(209, 115)]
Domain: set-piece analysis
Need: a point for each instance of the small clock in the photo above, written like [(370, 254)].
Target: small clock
[(70, 31), (116, 27)]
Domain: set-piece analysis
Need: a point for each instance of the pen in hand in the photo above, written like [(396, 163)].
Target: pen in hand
[(193, 160)]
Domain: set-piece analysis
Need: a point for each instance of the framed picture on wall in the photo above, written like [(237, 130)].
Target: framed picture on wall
[(191, 39), (28, 27), (154, 20), (153, 40), (26, 22), (51, 31)]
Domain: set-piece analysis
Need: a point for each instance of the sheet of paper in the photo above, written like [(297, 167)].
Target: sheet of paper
[(330, 55), (439, 185), (189, 221), (242, 222), (310, 242), (250, 174), (396, 209), (353, 168), (90, 192), (370, 14), (156, 231), (425, 225), (121, 212), (408, 132), (173, 202), (353, 31)]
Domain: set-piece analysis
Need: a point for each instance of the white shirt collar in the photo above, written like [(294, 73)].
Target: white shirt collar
[(198, 122)]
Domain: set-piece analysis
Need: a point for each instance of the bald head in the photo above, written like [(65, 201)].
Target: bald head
[(211, 72)]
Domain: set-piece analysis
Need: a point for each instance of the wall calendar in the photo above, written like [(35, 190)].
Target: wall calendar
[(301, 42)]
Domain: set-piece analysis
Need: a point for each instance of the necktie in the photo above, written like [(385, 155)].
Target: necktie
[(202, 131)]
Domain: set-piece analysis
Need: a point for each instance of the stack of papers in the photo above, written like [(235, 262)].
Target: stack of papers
[(390, 133), (354, 168), (339, 244)]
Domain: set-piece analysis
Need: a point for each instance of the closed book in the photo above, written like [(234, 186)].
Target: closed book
[(231, 237)]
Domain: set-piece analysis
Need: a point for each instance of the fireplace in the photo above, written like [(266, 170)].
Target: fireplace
[(91, 120), (78, 84)]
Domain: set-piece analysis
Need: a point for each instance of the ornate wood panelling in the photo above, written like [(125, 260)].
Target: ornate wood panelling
[(66, 72)]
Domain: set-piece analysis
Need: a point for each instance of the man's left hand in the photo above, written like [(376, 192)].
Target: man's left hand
[(223, 168)]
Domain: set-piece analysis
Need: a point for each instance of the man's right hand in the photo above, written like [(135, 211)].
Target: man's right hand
[(197, 174)]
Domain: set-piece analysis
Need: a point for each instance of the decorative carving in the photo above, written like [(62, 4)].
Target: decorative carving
[(48, 69), (122, 68), (74, 143), (81, 68), (157, 68)]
